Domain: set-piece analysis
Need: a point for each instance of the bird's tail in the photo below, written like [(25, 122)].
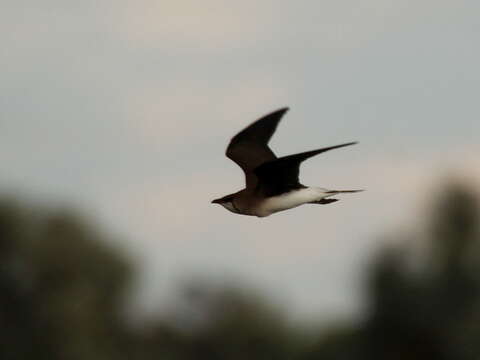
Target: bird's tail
[(327, 193), (334, 192)]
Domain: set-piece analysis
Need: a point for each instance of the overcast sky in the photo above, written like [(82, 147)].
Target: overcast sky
[(123, 109)]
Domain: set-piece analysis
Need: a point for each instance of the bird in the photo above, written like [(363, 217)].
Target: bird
[(271, 182)]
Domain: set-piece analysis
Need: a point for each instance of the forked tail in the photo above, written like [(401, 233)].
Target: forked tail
[(334, 192), (328, 200)]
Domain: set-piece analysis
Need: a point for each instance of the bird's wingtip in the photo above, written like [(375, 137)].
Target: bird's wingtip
[(347, 144)]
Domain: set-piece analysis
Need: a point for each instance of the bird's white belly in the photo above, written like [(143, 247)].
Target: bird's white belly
[(289, 200)]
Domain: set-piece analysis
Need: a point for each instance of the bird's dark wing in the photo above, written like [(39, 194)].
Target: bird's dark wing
[(281, 175), (249, 148)]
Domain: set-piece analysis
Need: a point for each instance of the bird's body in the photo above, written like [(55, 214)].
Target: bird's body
[(249, 204), (272, 183)]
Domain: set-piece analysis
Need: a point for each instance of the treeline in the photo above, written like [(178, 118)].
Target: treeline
[(63, 291)]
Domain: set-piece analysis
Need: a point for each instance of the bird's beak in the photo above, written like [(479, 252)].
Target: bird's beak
[(216, 201)]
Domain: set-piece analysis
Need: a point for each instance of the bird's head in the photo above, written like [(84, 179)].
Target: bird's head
[(226, 202)]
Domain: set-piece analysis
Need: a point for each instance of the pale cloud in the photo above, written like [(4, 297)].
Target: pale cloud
[(193, 112), (215, 26), (189, 25)]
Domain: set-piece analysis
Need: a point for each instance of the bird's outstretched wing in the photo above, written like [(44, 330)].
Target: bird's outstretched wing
[(281, 175), (249, 148)]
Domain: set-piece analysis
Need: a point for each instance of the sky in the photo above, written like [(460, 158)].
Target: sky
[(123, 109)]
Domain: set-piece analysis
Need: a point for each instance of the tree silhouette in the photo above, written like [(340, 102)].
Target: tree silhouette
[(61, 288), (426, 314)]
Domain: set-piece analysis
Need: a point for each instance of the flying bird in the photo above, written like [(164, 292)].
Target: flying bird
[(272, 183)]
